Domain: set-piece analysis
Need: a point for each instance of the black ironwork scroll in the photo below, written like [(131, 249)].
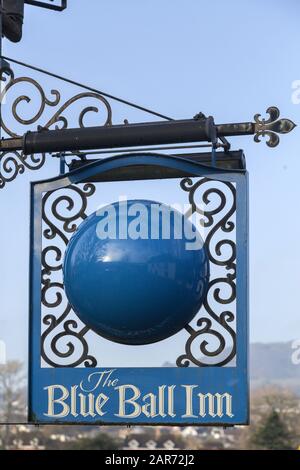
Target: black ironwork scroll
[(214, 325), (14, 163), (39, 104), (63, 342), (211, 338)]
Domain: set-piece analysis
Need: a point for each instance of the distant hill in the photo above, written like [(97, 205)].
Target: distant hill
[(271, 363)]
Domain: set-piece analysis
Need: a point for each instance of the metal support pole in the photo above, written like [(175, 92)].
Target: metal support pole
[(151, 133), (128, 135)]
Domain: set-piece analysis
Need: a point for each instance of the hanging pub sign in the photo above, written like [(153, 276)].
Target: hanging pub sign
[(138, 292)]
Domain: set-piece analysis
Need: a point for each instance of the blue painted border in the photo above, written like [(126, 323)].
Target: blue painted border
[(236, 378)]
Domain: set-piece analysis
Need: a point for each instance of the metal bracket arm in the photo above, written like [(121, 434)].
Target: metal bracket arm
[(152, 133)]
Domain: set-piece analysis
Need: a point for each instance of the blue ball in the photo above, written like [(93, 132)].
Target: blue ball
[(131, 279)]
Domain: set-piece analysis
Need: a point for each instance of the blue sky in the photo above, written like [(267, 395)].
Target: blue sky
[(229, 59)]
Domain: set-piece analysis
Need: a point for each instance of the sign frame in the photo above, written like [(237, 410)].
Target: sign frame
[(236, 378)]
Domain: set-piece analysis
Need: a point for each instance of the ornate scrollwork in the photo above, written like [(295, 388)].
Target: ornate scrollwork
[(39, 105), (211, 337), (214, 329), (63, 342), (13, 163), (272, 127), (45, 103)]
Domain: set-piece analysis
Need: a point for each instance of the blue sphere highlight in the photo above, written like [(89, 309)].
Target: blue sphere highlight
[(138, 286)]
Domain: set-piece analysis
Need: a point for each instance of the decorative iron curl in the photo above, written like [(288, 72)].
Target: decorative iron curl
[(62, 333), (219, 218), (45, 103), (15, 163)]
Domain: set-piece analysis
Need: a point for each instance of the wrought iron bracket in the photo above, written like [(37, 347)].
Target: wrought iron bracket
[(53, 132), (153, 133), (133, 135)]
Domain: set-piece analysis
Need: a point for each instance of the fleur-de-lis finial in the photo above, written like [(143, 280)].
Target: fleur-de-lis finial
[(272, 127)]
